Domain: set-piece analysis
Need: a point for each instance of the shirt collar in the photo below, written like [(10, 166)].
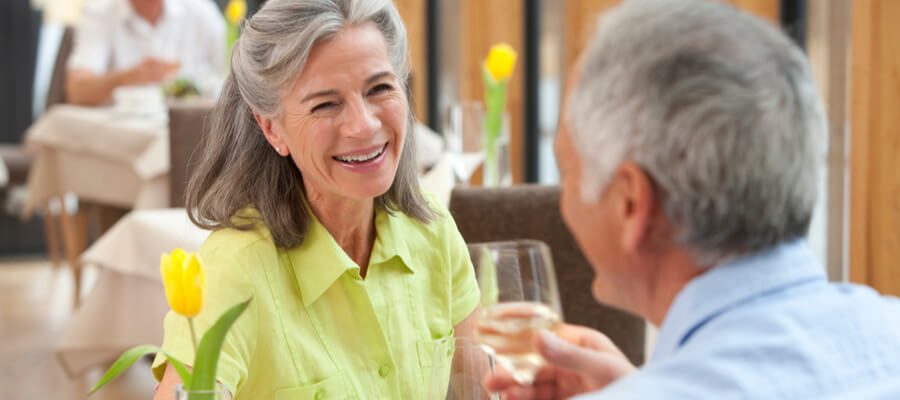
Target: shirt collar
[(734, 282), (319, 261), (171, 9)]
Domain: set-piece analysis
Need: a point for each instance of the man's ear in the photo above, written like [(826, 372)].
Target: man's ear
[(271, 133), (636, 203)]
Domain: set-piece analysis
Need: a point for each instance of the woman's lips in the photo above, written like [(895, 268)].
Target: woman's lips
[(365, 160)]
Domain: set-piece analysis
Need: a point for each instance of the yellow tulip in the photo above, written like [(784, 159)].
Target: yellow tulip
[(500, 61), (185, 282), (236, 11)]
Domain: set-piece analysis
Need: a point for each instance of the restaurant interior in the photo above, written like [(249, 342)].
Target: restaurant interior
[(92, 194)]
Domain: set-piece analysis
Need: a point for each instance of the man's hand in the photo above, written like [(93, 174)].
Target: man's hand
[(86, 88), (151, 70), (579, 360)]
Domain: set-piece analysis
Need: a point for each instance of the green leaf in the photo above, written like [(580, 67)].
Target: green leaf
[(207, 358), (130, 356)]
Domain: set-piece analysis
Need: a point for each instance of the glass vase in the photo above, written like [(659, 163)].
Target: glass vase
[(219, 393), (497, 163)]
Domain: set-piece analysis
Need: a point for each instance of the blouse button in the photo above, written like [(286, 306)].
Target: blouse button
[(320, 394), (384, 371)]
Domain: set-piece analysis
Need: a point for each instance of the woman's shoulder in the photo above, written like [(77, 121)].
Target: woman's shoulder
[(439, 227), (228, 250)]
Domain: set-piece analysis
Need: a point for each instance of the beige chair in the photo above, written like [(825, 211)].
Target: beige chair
[(532, 212)]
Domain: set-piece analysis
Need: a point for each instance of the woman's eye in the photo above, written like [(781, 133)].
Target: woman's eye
[(324, 106), (382, 88)]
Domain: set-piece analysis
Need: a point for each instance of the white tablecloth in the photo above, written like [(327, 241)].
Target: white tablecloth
[(100, 155), (126, 306), (134, 244)]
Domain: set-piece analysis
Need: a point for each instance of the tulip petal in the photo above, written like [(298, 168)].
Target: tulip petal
[(169, 277), (500, 61), (195, 282)]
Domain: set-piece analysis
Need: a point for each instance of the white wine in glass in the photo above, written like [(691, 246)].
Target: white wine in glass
[(519, 299)]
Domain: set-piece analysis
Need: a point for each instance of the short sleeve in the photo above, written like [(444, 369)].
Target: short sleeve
[(464, 287), (92, 49), (227, 284)]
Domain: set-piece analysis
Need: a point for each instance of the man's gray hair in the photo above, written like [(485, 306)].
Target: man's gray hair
[(720, 110)]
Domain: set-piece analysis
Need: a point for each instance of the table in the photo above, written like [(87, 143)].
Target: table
[(100, 155), (127, 305), (105, 157)]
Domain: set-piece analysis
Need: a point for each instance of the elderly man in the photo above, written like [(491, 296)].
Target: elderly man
[(690, 152), (138, 42)]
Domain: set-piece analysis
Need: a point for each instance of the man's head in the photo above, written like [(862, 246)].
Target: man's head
[(691, 125), (149, 10)]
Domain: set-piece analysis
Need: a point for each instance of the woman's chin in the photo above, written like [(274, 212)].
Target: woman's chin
[(369, 189)]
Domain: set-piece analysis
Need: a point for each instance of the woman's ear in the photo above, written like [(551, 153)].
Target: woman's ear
[(272, 133)]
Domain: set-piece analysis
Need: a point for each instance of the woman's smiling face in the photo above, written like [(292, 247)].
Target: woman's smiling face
[(344, 119)]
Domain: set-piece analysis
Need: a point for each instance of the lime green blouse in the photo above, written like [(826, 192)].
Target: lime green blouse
[(315, 328)]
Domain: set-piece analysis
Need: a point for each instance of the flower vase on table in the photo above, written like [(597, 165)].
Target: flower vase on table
[(497, 70), (218, 393)]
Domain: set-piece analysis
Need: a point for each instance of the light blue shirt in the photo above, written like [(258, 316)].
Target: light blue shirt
[(770, 326)]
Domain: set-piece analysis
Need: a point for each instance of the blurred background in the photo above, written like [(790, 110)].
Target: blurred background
[(856, 229)]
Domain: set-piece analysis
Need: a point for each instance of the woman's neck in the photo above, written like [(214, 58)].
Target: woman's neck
[(351, 222)]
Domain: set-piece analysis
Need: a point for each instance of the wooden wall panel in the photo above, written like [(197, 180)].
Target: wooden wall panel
[(483, 24), (767, 9), (875, 145), (828, 46), (581, 20), (413, 14)]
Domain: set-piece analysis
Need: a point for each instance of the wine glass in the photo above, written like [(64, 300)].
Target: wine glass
[(463, 133), (519, 298), (460, 364)]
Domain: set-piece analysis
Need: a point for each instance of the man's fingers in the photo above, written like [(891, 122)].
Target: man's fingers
[(499, 381), (598, 367), (587, 338), (570, 356)]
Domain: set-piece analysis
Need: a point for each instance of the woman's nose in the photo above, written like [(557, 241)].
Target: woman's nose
[(360, 119)]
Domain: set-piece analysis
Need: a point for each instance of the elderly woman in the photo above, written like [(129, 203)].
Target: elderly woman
[(307, 179)]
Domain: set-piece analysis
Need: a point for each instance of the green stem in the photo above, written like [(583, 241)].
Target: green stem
[(193, 333)]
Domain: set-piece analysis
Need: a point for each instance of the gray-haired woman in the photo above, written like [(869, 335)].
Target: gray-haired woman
[(307, 179)]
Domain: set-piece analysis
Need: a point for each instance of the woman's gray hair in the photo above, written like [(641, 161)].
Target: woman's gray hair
[(720, 110), (238, 167)]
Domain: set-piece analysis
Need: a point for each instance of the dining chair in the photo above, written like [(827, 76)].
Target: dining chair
[(187, 125), (532, 212)]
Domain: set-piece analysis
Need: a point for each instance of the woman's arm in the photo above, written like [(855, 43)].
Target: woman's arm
[(466, 328)]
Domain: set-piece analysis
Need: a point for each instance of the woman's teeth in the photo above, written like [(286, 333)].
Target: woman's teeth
[(360, 158)]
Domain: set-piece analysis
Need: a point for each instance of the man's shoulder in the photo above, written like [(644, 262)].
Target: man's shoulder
[(103, 7), (806, 342), (204, 8)]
